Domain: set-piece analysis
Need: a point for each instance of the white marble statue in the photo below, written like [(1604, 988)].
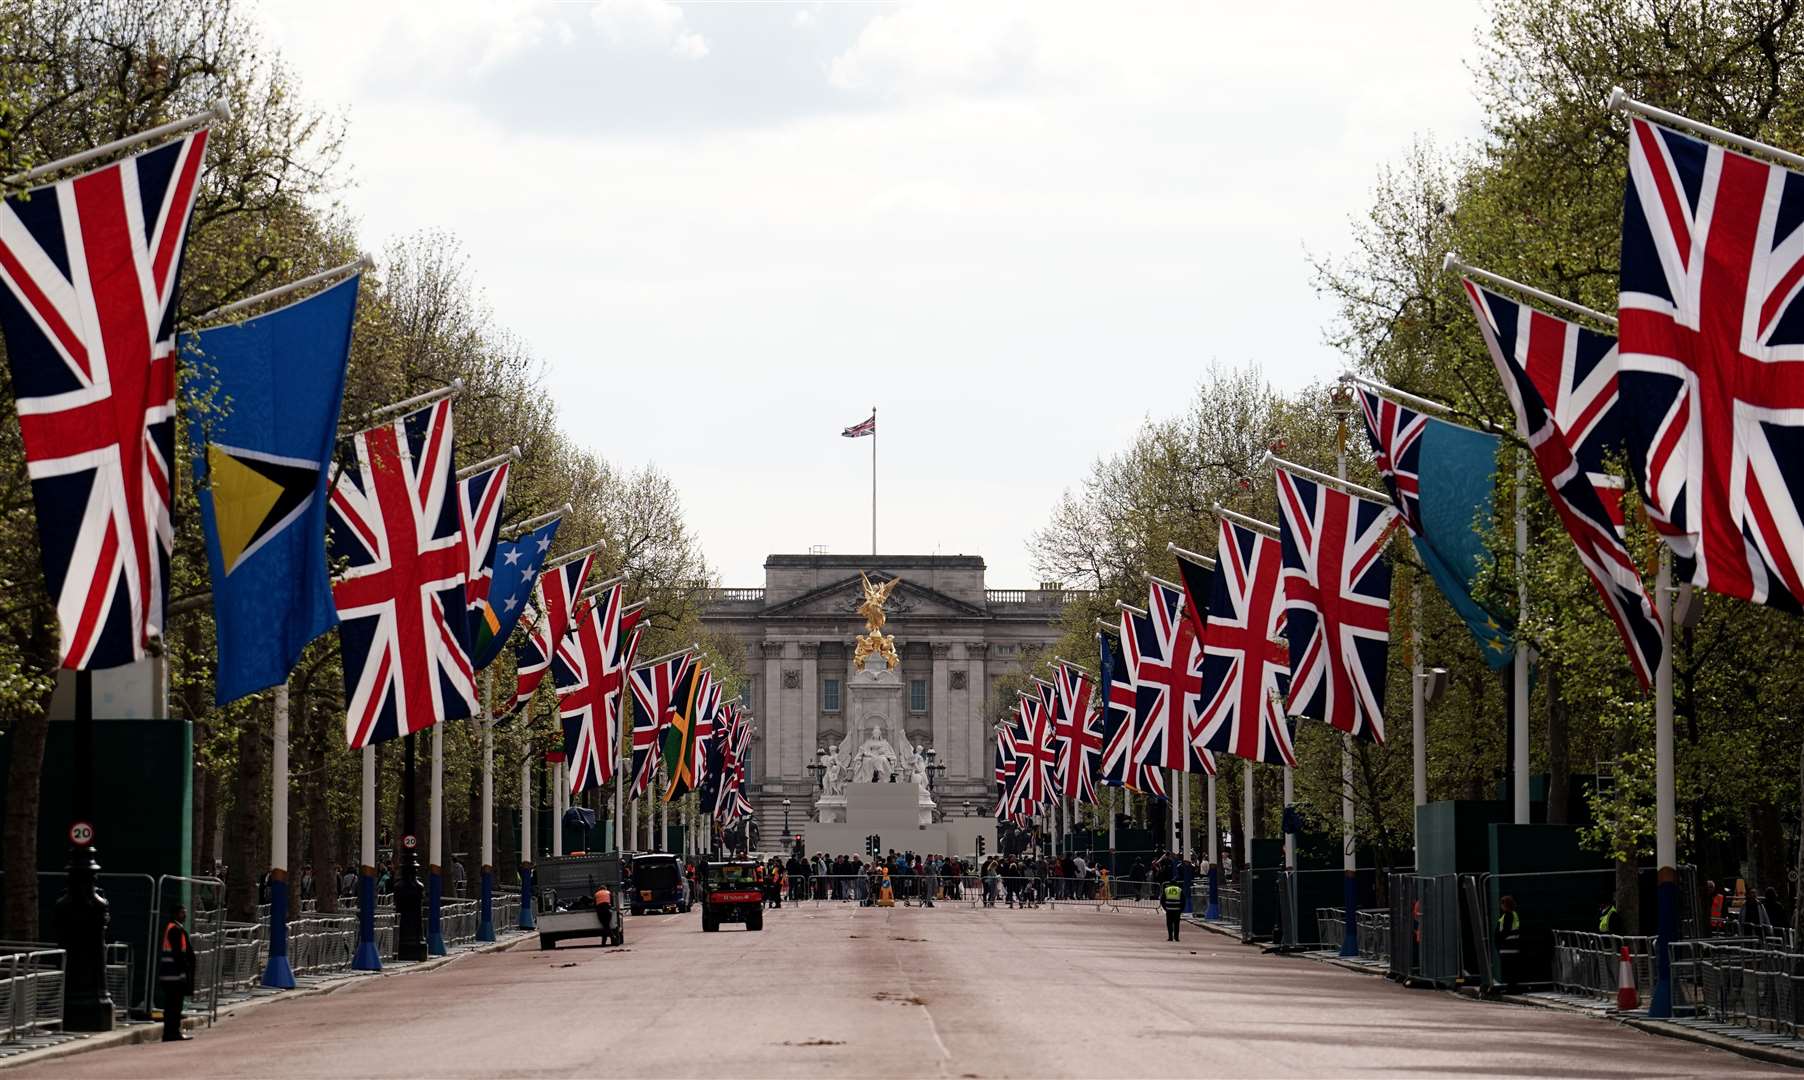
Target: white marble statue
[(919, 768), (875, 760), (834, 780)]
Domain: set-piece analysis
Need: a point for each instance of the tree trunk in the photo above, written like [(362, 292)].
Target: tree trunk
[(24, 793), (1628, 896), (205, 852), (1237, 827), (322, 838), (249, 783), (1559, 751), (28, 735)]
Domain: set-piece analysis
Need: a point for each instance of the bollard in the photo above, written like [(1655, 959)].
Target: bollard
[(367, 957), (1213, 911), (435, 912), (526, 903), (277, 975), (485, 925)]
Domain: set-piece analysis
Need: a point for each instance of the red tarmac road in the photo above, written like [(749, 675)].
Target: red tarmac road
[(952, 992)]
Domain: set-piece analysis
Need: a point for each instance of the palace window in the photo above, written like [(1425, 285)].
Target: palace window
[(829, 695), (917, 695)]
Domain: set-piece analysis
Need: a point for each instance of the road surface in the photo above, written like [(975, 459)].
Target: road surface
[(953, 992)]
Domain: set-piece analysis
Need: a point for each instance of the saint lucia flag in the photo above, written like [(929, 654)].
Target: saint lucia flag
[(264, 405), (517, 563)]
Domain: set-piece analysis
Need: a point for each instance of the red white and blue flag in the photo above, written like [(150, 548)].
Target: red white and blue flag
[(862, 428), (1246, 661), (558, 589), (480, 497), (1165, 662), (1337, 603), (1076, 733), (91, 266), (590, 684), (1035, 755), (1117, 703), (1712, 359), (1008, 766), (1561, 381), (655, 687), (393, 517)]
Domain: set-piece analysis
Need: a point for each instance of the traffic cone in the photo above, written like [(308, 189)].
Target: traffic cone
[(1626, 997)]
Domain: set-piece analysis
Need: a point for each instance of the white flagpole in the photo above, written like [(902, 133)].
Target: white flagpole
[(873, 479), (1418, 711), (1214, 831), (1349, 852), (277, 973), (1519, 732), (485, 930), (367, 958), (1666, 838), (221, 110)]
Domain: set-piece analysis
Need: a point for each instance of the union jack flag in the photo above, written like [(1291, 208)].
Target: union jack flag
[(1246, 662), (1561, 382), (1079, 738), (1712, 330), (402, 631), (558, 589), (1166, 664), (1034, 754), (707, 717), (1337, 603), (480, 498), (1396, 437), (1119, 767), (655, 687), (1008, 765), (590, 680), (862, 428), (91, 266)]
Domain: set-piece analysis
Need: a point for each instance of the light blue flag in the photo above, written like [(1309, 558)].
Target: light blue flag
[(266, 395), (1458, 473)]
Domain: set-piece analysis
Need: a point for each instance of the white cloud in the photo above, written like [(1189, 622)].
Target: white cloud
[(1018, 227), (656, 24)]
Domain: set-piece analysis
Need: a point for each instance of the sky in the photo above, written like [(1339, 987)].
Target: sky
[(1019, 229)]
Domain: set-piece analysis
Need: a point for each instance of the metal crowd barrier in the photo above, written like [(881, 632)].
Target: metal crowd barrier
[(32, 985), (458, 919)]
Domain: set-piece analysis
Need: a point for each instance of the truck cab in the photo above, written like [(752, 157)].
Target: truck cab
[(731, 892)]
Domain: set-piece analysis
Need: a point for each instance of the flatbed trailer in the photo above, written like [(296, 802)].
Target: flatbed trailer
[(564, 899)]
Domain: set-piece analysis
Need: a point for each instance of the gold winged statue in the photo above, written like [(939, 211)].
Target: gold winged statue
[(874, 640)]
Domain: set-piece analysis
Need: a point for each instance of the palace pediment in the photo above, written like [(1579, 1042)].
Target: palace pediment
[(839, 601)]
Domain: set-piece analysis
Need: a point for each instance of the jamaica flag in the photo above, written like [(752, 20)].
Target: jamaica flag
[(263, 403), (680, 768)]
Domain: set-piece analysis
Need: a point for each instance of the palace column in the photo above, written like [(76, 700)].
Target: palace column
[(772, 720), (981, 736), (798, 743), (940, 705)]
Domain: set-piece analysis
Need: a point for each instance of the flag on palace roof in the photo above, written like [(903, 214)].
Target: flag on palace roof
[(862, 428), (260, 470), (91, 267), (1712, 360), (402, 632)]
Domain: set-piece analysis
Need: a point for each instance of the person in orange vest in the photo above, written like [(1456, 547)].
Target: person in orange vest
[(175, 973), (1718, 900)]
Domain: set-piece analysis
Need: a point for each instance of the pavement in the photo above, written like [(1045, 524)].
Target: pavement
[(837, 990)]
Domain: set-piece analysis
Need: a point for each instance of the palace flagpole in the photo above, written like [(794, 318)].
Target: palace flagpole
[(873, 479)]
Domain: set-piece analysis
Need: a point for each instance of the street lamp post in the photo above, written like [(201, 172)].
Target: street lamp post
[(786, 820)]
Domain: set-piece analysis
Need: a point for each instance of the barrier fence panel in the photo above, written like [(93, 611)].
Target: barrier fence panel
[(204, 897), (32, 983)]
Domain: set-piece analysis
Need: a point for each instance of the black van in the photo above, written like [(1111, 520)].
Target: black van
[(658, 884)]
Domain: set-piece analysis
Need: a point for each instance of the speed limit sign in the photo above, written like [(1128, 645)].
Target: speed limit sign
[(410, 841), (81, 834)]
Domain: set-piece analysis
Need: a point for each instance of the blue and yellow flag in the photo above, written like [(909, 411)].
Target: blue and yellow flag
[(266, 395)]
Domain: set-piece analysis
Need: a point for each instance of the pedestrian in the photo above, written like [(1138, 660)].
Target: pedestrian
[(175, 973), (1609, 921), (1173, 903), (458, 875)]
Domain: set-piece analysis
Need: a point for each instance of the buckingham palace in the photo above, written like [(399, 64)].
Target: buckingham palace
[(955, 638)]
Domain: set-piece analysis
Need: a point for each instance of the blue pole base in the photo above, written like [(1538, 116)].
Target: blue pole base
[(485, 924), (1349, 942), (366, 958), (435, 910), (526, 921), (277, 975), (1659, 1006), (1213, 911)]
